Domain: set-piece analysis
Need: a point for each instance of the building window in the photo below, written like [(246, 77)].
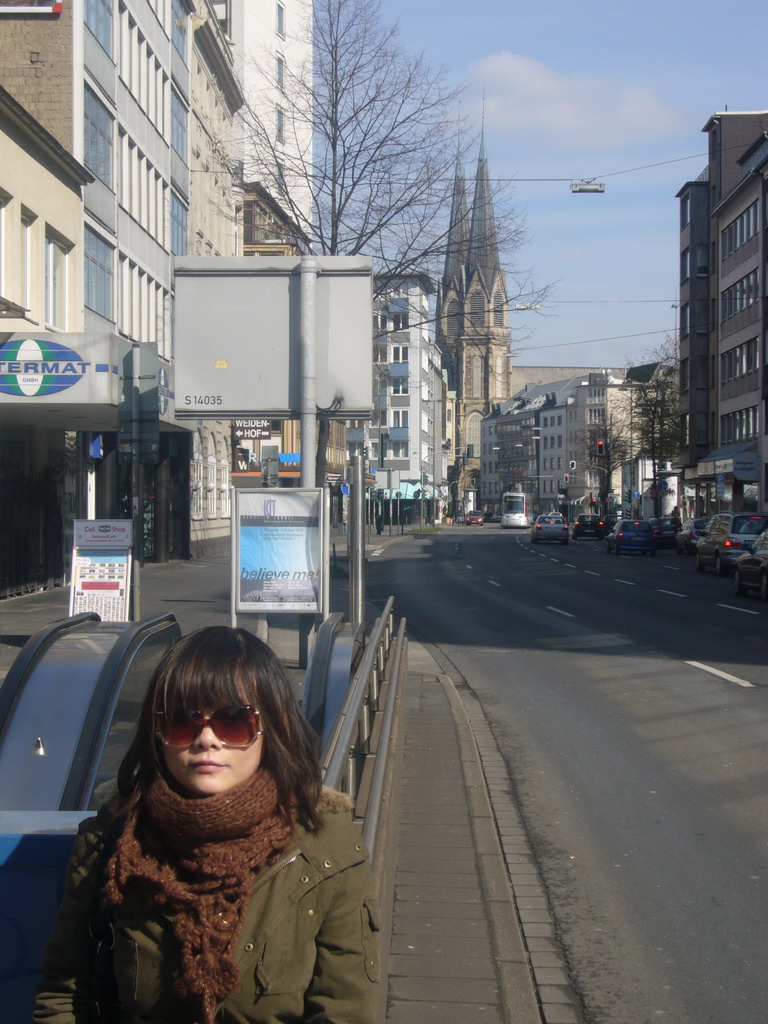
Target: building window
[(179, 27), (740, 230), (99, 274), (178, 125), (400, 321), (98, 138), (685, 264), (477, 309), (684, 319), (224, 488), (55, 283), (27, 220), (178, 226), (399, 449), (453, 318), (98, 18), (477, 377), (400, 418), (280, 72), (739, 296), (498, 309), (685, 210), (280, 124), (280, 20), (210, 487), (401, 386), (399, 353)]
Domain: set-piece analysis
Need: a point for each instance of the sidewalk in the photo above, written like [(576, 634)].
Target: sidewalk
[(471, 936)]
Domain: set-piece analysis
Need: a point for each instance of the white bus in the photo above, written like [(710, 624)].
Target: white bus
[(515, 510)]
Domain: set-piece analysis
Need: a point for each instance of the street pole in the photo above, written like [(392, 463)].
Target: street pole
[(356, 542), (308, 371)]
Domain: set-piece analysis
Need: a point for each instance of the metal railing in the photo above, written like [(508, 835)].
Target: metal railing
[(354, 756)]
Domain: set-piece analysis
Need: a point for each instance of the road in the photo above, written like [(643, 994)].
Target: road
[(629, 697)]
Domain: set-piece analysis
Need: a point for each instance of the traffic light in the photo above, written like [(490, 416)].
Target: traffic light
[(601, 447), (565, 478)]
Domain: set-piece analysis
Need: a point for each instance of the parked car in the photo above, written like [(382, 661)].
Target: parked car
[(665, 529), (631, 535), (727, 536), (751, 571), (687, 537), (550, 526), (587, 524), (474, 518)]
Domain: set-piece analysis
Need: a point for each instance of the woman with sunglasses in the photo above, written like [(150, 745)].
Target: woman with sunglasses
[(240, 889)]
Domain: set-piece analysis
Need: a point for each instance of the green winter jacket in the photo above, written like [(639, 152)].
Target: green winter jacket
[(308, 950)]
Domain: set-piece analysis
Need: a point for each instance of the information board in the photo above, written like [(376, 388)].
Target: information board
[(101, 583), (279, 550), (101, 568)]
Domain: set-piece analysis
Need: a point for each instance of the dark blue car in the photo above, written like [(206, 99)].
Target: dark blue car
[(631, 535)]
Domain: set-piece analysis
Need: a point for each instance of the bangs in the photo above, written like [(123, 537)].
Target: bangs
[(207, 678)]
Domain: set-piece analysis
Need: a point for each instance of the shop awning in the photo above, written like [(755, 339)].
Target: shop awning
[(739, 460)]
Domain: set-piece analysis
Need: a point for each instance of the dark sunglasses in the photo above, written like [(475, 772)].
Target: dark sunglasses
[(234, 726)]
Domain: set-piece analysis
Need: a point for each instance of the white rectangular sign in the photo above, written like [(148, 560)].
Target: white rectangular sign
[(278, 556), (101, 583), (238, 337), (103, 533)]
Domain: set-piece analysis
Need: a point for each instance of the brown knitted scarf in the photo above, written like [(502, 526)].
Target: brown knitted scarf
[(195, 858)]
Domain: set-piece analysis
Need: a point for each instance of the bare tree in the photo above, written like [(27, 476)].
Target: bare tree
[(364, 156), (363, 153), (656, 409), (609, 446)]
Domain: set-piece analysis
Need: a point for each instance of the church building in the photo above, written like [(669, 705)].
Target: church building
[(473, 329)]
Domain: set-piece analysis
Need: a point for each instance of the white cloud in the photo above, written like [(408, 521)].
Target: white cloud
[(523, 95)]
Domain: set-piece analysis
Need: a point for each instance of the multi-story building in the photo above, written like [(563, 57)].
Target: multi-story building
[(722, 328), (553, 441), (406, 434), (143, 93), (274, 62), (41, 284)]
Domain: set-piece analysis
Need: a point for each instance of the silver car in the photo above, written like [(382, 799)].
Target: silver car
[(551, 526), (727, 537)]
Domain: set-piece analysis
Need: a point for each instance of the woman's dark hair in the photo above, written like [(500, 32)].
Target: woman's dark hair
[(216, 667)]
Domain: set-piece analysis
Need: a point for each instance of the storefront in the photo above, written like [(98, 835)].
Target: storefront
[(61, 454), (727, 480)]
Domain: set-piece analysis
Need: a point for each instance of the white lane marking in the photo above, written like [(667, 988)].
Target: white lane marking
[(467, 566), (673, 593), (376, 552), (735, 608), (628, 582), (589, 572), (494, 583), (672, 568), (722, 675), (569, 565), (559, 611)]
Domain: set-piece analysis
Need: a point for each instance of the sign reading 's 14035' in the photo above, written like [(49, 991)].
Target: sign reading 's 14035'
[(37, 367)]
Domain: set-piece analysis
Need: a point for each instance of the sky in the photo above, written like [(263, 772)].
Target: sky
[(615, 92)]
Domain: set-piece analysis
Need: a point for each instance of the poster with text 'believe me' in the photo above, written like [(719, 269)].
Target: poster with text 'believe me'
[(278, 550)]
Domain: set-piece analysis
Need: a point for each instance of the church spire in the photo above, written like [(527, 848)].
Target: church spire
[(458, 230), (483, 246)]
